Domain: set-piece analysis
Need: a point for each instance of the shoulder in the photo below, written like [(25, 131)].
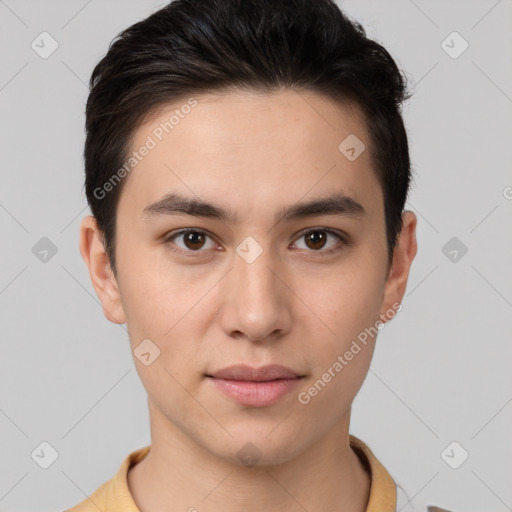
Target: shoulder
[(114, 495), (97, 500)]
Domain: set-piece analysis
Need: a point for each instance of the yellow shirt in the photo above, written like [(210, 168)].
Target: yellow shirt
[(115, 496)]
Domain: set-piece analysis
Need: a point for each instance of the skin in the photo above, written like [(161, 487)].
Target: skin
[(253, 154)]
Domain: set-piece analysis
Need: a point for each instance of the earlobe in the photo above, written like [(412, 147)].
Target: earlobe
[(403, 256), (102, 278)]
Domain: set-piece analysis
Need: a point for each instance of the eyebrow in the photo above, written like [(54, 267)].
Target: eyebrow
[(175, 204)]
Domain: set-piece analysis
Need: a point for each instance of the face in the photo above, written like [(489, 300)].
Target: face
[(261, 270)]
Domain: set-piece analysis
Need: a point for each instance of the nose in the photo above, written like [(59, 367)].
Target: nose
[(256, 301)]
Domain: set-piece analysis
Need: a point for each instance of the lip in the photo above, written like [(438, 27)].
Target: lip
[(262, 374), (255, 387)]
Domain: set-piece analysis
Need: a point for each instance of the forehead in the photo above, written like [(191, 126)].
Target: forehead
[(252, 150)]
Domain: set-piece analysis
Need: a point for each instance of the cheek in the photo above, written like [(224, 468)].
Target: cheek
[(347, 301), (156, 294), (333, 388), (171, 307), (349, 306), (160, 307)]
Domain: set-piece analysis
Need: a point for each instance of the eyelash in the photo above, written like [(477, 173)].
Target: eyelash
[(343, 239)]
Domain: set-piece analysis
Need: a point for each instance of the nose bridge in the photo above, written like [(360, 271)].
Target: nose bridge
[(254, 279), (257, 302)]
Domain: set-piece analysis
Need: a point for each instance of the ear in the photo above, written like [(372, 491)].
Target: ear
[(403, 255), (102, 277)]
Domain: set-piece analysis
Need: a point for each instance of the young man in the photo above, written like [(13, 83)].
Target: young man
[(247, 168)]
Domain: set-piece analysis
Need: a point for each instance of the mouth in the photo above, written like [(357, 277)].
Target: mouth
[(255, 387), (267, 373)]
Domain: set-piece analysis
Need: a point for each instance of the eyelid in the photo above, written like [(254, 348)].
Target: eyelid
[(343, 240), (342, 237), (169, 237), (340, 234)]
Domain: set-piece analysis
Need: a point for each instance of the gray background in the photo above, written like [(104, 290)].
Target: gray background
[(441, 371)]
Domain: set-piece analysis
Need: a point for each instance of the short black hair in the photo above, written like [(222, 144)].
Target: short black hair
[(194, 46)]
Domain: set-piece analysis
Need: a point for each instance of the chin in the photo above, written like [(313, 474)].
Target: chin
[(256, 448)]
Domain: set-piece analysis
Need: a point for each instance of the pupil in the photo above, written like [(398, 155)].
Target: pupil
[(319, 236), (190, 239)]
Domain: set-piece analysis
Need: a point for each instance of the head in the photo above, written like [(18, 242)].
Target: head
[(247, 169)]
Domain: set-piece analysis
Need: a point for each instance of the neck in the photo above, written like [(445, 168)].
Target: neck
[(178, 474)]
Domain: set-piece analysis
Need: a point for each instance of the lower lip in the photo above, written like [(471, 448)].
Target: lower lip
[(256, 394)]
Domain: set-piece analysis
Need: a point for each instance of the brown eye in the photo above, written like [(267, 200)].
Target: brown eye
[(193, 241), (316, 240)]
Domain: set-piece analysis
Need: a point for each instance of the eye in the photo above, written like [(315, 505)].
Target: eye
[(316, 239), (193, 240)]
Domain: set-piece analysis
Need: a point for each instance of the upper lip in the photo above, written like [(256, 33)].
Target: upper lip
[(265, 373)]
